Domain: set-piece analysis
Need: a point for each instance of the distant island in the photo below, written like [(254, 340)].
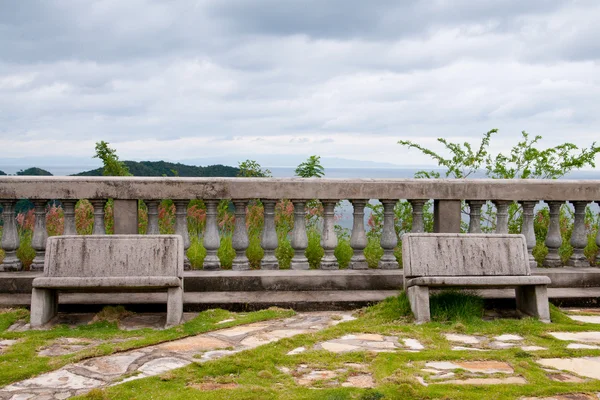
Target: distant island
[(150, 168)]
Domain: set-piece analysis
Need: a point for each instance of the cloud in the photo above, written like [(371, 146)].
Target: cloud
[(338, 78)]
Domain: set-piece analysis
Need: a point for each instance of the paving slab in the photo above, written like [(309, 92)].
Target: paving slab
[(588, 367), (98, 372), (586, 337)]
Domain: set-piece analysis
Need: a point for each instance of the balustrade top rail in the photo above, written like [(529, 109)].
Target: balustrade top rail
[(130, 188)]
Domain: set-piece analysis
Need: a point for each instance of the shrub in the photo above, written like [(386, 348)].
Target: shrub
[(373, 251), (343, 252), (314, 252), (284, 252)]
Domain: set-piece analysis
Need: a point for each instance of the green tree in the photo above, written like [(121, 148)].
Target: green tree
[(252, 169), (34, 171), (525, 161), (112, 165), (311, 168)]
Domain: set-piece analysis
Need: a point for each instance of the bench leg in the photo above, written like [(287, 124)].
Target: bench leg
[(174, 306), (419, 303), (44, 306), (533, 300)]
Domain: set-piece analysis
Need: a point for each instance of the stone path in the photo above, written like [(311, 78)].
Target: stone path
[(110, 370), (79, 378)]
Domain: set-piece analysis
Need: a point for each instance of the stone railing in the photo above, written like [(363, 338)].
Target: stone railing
[(446, 194)]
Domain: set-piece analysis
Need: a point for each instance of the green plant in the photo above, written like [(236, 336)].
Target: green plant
[(251, 168), (314, 252), (343, 252), (112, 165), (311, 168), (454, 305)]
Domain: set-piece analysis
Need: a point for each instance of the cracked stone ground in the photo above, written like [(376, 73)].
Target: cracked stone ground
[(430, 357), (79, 378)]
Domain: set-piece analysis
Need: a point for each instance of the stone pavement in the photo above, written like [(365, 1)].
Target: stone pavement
[(79, 378), (110, 370)]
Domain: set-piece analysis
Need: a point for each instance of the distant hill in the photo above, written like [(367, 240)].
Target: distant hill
[(2, 173), (163, 168), (34, 171)]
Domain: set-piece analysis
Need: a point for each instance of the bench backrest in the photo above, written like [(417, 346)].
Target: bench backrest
[(114, 255), (452, 254)]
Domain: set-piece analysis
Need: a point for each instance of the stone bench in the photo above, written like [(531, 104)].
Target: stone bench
[(439, 260), (109, 263)]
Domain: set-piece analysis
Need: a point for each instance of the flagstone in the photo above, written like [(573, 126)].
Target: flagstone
[(509, 338), (163, 364), (572, 396), (316, 375), (297, 350), (269, 337), (590, 319), (115, 364), (413, 344), (363, 381), (459, 348), (501, 345), (593, 336), (583, 366), (241, 330), (214, 354), (339, 347), (369, 336), (512, 380), (562, 377), (485, 367), (533, 348), (465, 339), (194, 343), (582, 346), (59, 379)]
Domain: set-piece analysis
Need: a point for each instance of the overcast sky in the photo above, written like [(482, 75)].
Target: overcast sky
[(346, 78)]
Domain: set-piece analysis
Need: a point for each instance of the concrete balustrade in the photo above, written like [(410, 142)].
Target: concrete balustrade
[(446, 194)]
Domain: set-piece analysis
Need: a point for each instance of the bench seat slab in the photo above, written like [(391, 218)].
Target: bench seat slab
[(482, 281), (121, 282)]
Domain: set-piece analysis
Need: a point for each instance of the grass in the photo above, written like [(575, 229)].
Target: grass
[(253, 374), (21, 360)]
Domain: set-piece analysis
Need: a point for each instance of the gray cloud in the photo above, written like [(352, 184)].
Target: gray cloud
[(243, 77)]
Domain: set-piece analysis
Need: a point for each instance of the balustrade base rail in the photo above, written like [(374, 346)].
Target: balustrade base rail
[(301, 290)]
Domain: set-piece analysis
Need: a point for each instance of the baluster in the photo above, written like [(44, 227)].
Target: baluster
[(578, 237), (181, 228), (418, 224), (211, 239), (527, 229), (502, 216), (389, 239), (240, 237), (358, 239), (10, 238), (598, 239), (152, 206), (38, 241), (69, 213), (553, 239), (299, 240), (329, 238), (98, 205), (269, 237), (475, 215)]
